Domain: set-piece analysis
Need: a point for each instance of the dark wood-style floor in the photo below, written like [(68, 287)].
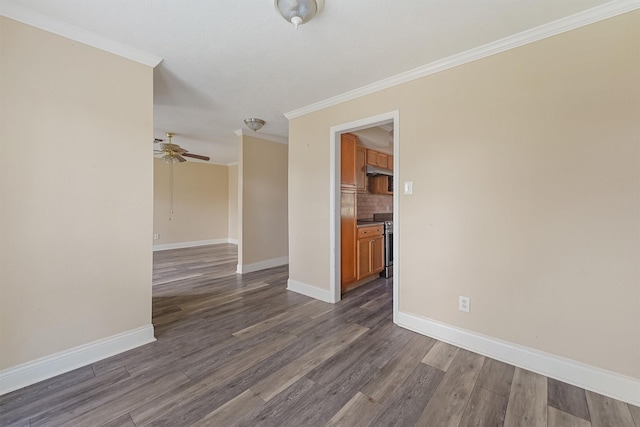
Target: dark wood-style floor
[(243, 351)]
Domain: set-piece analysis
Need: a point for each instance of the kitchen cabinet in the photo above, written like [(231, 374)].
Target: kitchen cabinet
[(348, 144), (381, 184), (348, 236), (376, 158), (361, 169), (369, 251)]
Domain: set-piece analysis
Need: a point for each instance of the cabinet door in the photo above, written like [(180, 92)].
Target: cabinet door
[(348, 161), (363, 255), (377, 254), (372, 157), (361, 172), (348, 230), (379, 185), (382, 160)]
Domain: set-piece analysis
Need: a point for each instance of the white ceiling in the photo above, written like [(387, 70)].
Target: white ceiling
[(225, 60)]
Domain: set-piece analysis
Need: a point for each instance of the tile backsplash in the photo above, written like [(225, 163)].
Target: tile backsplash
[(368, 204)]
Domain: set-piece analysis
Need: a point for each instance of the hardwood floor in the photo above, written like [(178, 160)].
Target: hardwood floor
[(238, 350)]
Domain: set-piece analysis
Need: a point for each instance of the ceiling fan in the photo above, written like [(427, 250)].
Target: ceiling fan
[(173, 153)]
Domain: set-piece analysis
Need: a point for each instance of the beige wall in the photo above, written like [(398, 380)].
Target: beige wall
[(75, 194), (526, 177), (233, 203), (200, 202), (262, 184)]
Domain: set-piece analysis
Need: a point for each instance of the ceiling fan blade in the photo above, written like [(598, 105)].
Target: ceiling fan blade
[(179, 150), (158, 151), (180, 158), (196, 156), (155, 140)]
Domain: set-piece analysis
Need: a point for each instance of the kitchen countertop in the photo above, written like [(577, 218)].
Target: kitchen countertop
[(368, 223)]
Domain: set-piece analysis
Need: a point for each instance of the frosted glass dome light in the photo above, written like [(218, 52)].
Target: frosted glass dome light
[(298, 12)]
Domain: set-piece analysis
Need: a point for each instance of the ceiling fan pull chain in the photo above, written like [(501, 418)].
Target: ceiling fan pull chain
[(171, 193)]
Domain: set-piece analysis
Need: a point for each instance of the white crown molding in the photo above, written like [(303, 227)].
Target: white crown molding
[(265, 136), (36, 19), (68, 360), (572, 22), (601, 381)]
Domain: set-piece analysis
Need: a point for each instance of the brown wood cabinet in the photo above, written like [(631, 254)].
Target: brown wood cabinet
[(361, 169), (381, 184), (369, 251), (348, 236), (376, 158), (348, 144)]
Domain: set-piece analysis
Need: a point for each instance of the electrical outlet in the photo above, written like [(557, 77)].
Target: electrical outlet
[(463, 304), (156, 236)]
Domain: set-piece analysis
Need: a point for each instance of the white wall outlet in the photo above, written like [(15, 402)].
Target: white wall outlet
[(463, 303), (408, 187), (156, 236)]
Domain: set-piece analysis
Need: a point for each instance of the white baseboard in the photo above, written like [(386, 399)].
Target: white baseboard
[(257, 266), (49, 366), (181, 245), (310, 291), (570, 371), (232, 241)]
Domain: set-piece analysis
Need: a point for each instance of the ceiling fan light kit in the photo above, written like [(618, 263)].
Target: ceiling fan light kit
[(298, 12), (254, 124), (173, 153)]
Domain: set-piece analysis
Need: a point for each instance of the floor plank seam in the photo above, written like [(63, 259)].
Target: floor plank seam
[(241, 350)]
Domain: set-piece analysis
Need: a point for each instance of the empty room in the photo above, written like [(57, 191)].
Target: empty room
[(320, 213)]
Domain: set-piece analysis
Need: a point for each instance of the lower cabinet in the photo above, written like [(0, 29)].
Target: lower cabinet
[(348, 236), (369, 251)]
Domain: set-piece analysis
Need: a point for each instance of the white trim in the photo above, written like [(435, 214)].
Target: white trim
[(68, 360), (265, 136), (181, 245), (334, 194), (232, 241), (47, 23), (570, 371), (262, 265), (397, 257), (311, 291), (580, 19)]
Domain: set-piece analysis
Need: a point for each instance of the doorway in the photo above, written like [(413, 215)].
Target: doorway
[(390, 118)]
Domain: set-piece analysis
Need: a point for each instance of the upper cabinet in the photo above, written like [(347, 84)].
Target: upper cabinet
[(378, 159), (361, 169), (348, 144)]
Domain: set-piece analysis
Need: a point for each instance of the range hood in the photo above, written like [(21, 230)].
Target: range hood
[(376, 171)]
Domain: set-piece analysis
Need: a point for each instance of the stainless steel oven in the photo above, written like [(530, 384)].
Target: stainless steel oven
[(387, 218)]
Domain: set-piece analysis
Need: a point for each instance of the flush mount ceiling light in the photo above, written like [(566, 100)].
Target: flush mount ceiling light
[(298, 12), (254, 124)]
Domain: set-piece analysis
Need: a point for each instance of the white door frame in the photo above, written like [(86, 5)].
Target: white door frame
[(334, 202)]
